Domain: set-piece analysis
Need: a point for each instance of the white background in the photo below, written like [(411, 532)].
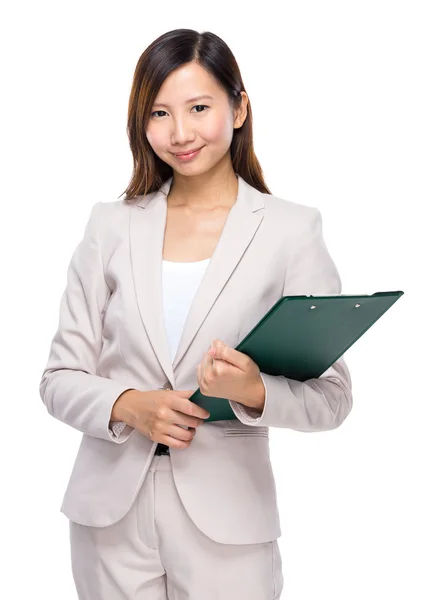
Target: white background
[(340, 97)]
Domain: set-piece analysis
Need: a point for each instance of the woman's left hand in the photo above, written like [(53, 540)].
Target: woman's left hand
[(228, 373)]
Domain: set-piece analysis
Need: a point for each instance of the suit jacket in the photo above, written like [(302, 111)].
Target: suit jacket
[(111, 337)]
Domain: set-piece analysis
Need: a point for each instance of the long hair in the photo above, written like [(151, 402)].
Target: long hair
[(161, 57)]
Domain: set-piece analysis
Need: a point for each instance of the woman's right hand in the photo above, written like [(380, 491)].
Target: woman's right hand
[(158, 413)]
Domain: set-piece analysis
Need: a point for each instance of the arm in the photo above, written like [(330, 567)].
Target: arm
[(317, 404), (70, 388)]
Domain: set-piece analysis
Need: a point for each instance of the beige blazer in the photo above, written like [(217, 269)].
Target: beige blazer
[(111, 337)]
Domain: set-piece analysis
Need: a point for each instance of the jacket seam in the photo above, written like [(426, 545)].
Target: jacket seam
[(100, 255)]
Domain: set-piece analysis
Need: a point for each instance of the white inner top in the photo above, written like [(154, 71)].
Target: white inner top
[(181, 281)]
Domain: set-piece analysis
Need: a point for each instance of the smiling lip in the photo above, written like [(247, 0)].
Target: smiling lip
[(188, 152)]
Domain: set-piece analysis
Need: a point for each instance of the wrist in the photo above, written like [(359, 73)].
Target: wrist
[(255, 396), (259, 396), (121, 410)]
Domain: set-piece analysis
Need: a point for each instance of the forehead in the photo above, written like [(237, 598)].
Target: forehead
[(186, 82)]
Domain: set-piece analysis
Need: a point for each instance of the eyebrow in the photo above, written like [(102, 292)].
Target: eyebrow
[(188, 101)]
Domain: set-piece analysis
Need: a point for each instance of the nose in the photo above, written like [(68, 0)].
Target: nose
[(182, 134)]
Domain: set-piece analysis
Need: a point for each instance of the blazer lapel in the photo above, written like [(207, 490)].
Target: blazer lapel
[(239, 229), (147, 226)]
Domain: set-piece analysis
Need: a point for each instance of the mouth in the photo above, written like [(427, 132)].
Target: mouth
[(187, 155)]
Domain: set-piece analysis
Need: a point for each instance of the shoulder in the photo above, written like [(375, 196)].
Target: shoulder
[(112, 208), (282, 207), (294, 218), (109, 213), (108, 223)]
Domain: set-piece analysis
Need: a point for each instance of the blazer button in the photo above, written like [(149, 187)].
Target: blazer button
[(166, 386)]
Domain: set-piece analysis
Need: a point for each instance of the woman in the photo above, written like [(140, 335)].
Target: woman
[(164, 284)]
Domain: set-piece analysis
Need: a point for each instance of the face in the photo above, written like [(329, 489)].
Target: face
[(192, 111)]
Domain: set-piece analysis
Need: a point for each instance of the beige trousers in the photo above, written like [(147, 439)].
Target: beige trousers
[(155, 552)]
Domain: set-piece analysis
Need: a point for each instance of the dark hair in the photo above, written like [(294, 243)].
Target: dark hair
[(168, 52)]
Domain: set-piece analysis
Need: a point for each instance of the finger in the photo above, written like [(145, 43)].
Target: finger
[(184, 408), (221, 351), (182, 419), (207, 364), (172, 442), (184, 393), (180, 433)]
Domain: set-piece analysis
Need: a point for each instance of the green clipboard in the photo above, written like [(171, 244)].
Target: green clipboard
[(300, 337)]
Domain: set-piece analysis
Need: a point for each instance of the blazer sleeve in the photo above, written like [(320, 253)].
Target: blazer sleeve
[(317, 404), (70, 387)]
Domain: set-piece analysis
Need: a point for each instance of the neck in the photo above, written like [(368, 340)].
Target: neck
[(204, 191)]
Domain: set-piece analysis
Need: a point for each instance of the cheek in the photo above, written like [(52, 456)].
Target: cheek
[(155, 138), (219, 130)]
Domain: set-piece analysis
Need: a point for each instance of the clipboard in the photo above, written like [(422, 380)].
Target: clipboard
[(300, 337)]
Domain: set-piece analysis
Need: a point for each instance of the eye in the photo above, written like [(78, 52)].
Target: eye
[(196, 106), (157, 111), (201, 105)]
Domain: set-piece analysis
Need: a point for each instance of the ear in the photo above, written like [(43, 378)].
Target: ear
[(241, 112)]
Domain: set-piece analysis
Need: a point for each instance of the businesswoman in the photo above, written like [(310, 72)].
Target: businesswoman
[(163, 285)]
